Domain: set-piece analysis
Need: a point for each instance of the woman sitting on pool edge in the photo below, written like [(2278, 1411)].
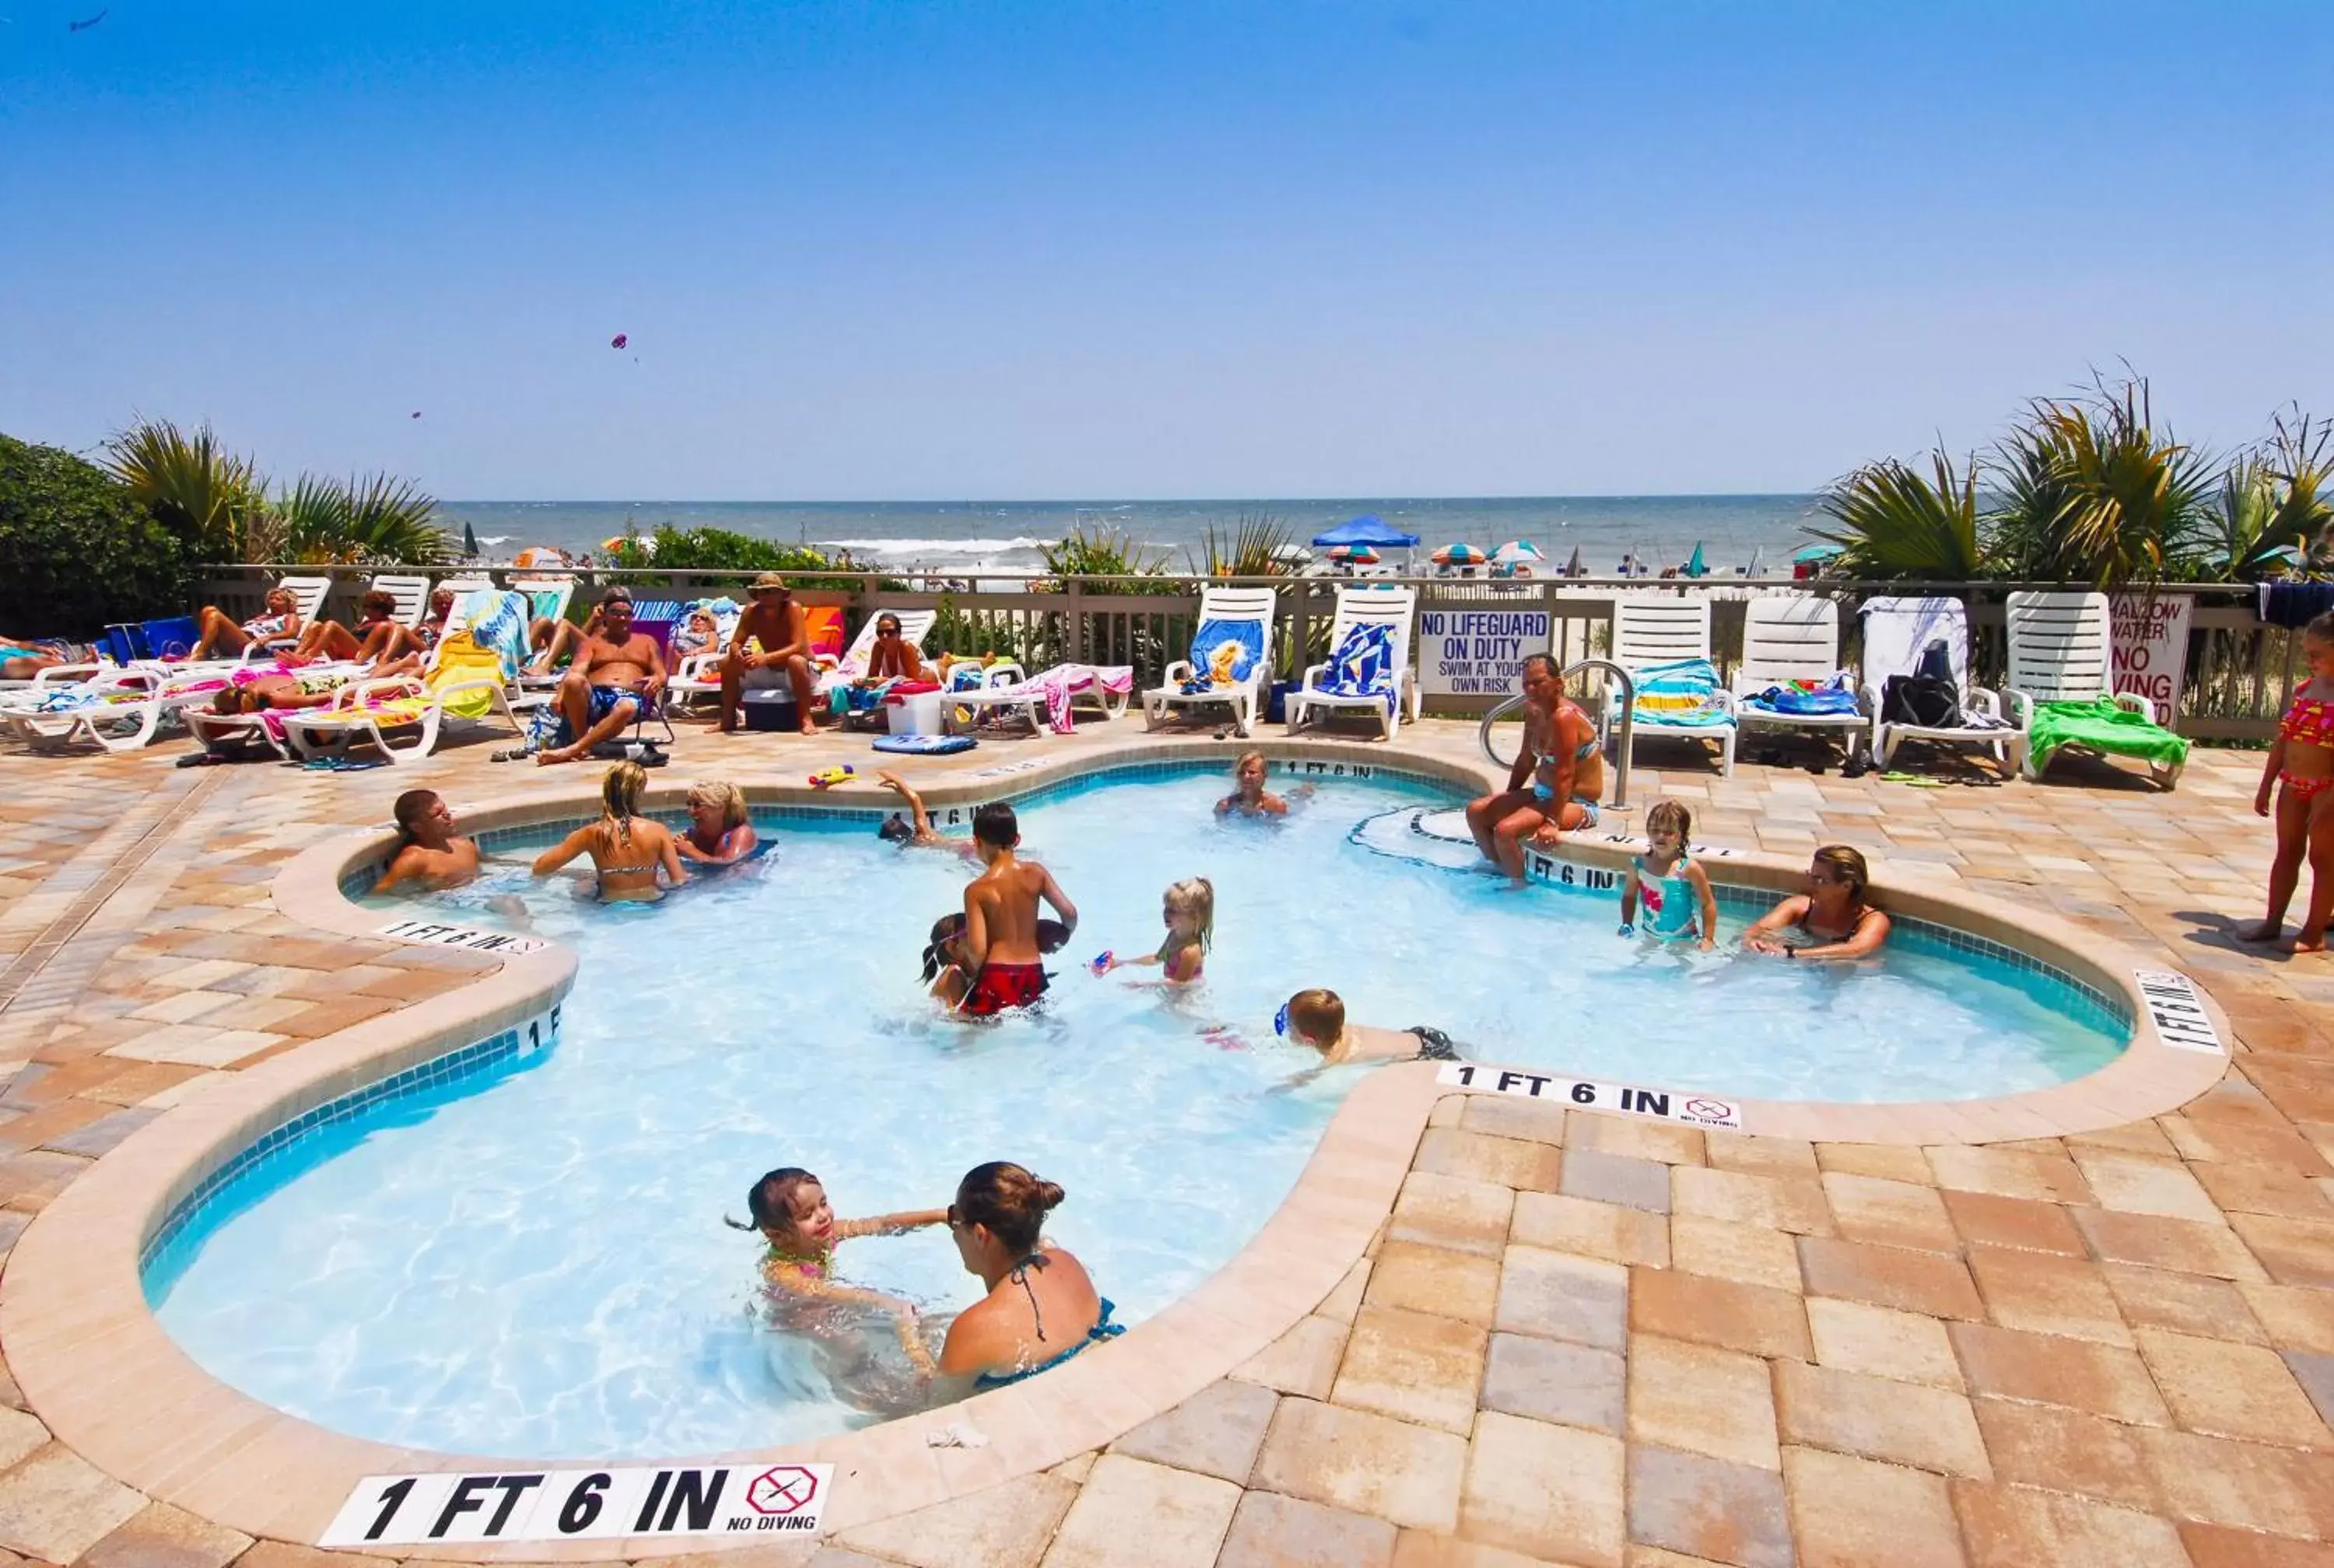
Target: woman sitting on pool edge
[(1041, 1308), (720, 831), (626, 848), (1556, 781), (1832, 920)]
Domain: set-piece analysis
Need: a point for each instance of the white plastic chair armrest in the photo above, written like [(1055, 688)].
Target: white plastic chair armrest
[(1005, 672), (1312, 673), (2132, 702), (1177, 673), (2021, 707)]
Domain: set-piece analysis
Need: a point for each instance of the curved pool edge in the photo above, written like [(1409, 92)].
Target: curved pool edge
[(99, 1369)]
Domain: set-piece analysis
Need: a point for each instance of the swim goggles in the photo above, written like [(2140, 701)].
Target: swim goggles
[(1280, 1020)]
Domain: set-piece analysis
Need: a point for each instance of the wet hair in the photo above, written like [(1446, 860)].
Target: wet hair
[(1198, 895), (1848, 863), (1240, 763), (896, 828), (1317, 1017), (732, 800), (2320, 627), (380, 602), (770, 1202), (1011, 1201), (937, 957), (995, 824), (619, 791), (411, 808), (1672, 815), (1555, 670)]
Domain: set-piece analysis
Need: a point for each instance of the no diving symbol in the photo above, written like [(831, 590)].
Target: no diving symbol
[(787, 1489), (1711, 1108)]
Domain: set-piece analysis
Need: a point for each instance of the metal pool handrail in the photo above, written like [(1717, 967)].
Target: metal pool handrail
[(1620, 800)]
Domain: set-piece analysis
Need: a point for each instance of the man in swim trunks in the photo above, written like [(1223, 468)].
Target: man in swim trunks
[(778, 633), (618, 675), (427, 851), (1558, 778), (1000, 915)]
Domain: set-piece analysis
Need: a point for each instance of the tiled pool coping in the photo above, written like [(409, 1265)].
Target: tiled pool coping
[(97, 1368)]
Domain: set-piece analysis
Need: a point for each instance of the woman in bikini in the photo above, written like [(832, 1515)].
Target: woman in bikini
[(2300, 770), (1833, 918), (893, 657), (1559, 775), (627, 849), (1041, 1308), (222, 636)]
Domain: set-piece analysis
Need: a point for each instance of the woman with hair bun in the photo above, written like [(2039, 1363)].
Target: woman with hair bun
[(1041, 1308)]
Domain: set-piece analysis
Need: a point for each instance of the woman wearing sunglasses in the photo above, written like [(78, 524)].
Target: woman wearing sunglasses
[(894, 657)]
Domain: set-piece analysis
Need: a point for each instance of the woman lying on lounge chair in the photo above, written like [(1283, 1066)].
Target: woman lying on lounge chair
[(23, 658), (223, 635)]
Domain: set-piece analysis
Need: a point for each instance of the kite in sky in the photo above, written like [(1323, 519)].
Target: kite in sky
[(79, 26), (417, 413), (617, 341)]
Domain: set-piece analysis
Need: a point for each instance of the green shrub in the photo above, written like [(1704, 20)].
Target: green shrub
[(714, 550), (76, 550)]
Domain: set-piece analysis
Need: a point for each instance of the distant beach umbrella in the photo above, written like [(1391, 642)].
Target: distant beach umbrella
[(540, 555), (1460, 555), (646, 542), (1354, 555), (1517, 553), (1696, 566), (1574, 567), (1816, 552), (469, 542)]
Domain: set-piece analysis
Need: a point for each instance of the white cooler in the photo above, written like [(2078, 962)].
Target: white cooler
[(915, 714)]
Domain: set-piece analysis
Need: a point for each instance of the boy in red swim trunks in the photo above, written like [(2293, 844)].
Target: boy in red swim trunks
[(1000, 917)]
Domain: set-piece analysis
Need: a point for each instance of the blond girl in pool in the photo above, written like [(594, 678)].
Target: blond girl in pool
[(1189, 908)]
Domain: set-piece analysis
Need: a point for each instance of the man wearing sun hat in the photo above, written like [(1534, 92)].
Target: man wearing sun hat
[(770, 645)]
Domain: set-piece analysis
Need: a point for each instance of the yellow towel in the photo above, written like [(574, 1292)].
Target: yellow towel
[(460, 658)]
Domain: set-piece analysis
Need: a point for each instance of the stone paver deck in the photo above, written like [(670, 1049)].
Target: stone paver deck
[(1578, 1341)]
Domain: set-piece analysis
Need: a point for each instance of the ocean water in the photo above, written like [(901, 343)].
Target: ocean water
[(532, 1263), (958, 536)]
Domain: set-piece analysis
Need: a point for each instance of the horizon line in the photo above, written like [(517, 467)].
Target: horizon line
[(1121, 500)]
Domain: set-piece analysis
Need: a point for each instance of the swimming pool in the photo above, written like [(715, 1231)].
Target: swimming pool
[(530, 1262)]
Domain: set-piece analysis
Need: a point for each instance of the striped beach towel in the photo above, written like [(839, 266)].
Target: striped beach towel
[(1680, 695)]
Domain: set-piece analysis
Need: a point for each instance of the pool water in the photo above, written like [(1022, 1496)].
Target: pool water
[(532, 1262)]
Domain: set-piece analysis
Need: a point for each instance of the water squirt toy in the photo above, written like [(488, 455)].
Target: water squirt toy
[(827, 777), (1101, 964)]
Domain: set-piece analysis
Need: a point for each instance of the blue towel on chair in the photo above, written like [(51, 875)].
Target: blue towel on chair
[(1361, 664), (1680, 695), (1224, 653)]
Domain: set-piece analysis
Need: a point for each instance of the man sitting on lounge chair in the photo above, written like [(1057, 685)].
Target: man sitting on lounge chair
[(618, 676)]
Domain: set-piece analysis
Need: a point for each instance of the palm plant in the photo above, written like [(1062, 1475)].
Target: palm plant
[(375, 519), (1251, 548), (1891, 522), (2300, 467), (189, 483), (2095, 492)]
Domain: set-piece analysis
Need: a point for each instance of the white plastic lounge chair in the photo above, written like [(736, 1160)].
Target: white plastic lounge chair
[(1232, 610), (1897, 631), (120, 708), (2061, 651), (1390, 608), (412, 596), (1101, 690), (420, 707), (308, 596), (1653, 629), (1788, 637), (230, 734), (915, 625)]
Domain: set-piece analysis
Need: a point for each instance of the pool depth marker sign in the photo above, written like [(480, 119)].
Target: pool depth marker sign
[(1588, 1094), (1478, 652), (727, 1500), (435, 934), (2177, 1012)]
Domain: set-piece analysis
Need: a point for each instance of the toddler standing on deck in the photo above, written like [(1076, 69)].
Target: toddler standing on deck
[(1673, 889), (2301, 769), (1189, 908)]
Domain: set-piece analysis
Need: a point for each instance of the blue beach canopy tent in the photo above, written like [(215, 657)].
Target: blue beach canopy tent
[(1369, 531)]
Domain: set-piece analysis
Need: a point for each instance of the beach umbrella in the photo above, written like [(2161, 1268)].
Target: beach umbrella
[(1458, 556), (1697, 567), (1816, 552), (1354, 555), (540, 555), (469, 542), (1370, 531), (1517, 553), (1574, 568)]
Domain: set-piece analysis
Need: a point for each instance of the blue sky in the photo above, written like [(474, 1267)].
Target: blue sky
[(887, 249)]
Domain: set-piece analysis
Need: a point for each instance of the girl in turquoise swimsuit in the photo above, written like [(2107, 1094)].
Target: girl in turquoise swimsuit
[(1673, 889), (1041, 1309)]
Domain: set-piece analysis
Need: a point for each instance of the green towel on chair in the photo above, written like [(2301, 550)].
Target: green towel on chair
[(2102, 725)]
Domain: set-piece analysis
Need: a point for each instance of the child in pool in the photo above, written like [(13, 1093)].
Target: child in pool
[(1316, 1019), (1672, 885), (1249, 798), (1189, 908), (789, 1208), (949, 967), (2299, 769)]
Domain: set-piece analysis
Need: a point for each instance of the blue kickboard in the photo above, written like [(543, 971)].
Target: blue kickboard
[(925, 745)]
